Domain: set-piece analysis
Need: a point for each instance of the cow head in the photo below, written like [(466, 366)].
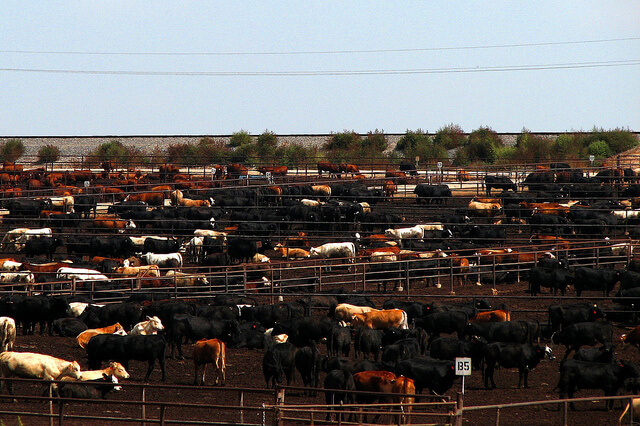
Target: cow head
[(118, 370), (548, 353)]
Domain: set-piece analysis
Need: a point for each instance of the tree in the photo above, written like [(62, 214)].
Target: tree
[(240, 138), (450, 136), (48, 154), (11, 150)]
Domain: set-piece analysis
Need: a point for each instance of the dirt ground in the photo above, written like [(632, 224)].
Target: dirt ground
[(244, 371)]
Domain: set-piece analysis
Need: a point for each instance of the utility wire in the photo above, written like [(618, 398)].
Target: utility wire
[(319, 52), (503, 68)]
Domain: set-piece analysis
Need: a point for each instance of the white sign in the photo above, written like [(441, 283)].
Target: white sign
[(87, 184), (463, 366), (439, 164)]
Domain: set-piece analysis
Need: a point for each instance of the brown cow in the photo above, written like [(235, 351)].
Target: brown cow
[(349, 168), (326, 166), (211, 351), (151, 198), (399, 176), (385, 382), (84, 337), (236, 170), (463, 176), (389, 188), (632, 338), (113, 223), (498, 315), (274, 170)]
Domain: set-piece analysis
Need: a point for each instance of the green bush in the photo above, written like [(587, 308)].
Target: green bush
[(48, 154), (569, 146), (11, 150), (450, 136), (295, 155), (347, 140), (411, 140), (373, 145), (482, 145), (533, 148), (113, 151), (600, 149), (266, 145), (240, 138), (618, 140)]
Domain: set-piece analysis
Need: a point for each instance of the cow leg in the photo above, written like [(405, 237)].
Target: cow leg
[(489, 376)]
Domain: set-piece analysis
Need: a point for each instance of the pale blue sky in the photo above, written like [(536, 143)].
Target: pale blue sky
[(436, 38)]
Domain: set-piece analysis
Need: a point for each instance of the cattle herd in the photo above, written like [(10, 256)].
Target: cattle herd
[(342, 281)]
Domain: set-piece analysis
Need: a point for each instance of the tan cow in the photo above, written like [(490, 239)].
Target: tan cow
[(384, 319), (209, 351), (114, 369), (7, 333), (151, 326), (36, 366)]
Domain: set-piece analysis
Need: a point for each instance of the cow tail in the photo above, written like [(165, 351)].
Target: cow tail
[(223, 360), (623, 413)]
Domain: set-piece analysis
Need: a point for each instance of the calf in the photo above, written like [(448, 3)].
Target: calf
[(610, 378), (211, 351), (7, 333), (95, 390), (338, 380), (524, 356)]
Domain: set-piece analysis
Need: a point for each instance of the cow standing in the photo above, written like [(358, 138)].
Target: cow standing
[(211, 351)]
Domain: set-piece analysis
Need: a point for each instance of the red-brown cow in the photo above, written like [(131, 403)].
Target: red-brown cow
[(211, 351), (326, 166), (274, 170), (498, 315)]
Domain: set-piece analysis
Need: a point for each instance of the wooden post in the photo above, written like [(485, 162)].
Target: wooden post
[(459, 408), (143, 400), (51, 403), (241, 404)]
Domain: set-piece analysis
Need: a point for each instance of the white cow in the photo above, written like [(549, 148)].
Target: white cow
[(329, 250), (17, 277), (260, 258), (311, 203), (37, 366), (80, 274), (168, 260), (276, 338), (434, 226), (77, 308), (7, 333), (10, 265), (210, 233), (402, 233), (15, 238), (151, 326)]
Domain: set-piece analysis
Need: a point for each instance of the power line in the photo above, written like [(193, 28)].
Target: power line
[(502, 68), (320, 52)]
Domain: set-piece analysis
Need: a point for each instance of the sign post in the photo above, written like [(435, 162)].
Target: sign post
[(463, 368)]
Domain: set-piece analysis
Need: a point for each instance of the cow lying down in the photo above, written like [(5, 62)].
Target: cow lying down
[(92, 389)]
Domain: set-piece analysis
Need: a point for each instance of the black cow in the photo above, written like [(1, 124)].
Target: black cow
[(435, 375), (69, 327), (85, 204), (277, 363), (432, 193), (114, 246), (368, 341), (603, 354), (308, 363), (267, 315), (42, 246), (339, 341), (524, 356), (105, 347), (303, 331), (339, 363), (506, 332), (43, 310), (92, 389), (561, 316), (338, 380), (583, 333), (610, 378), (552, 278), (196, 328), (402, 349), (595, 279), (413, 309), (155, 245), (409, 168), (443, 322), (448, 348), (25, 207), (499, 182), (127, 314), (629, 279), (243, 249), (392, 335)]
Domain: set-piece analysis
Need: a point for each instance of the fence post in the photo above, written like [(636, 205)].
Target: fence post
[(565, 414), (162, 410), (459, 408), (60, 413), (241, 404), (143, 399), (51, 403)]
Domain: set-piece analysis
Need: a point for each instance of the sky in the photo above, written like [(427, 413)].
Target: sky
[(100, 68)]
